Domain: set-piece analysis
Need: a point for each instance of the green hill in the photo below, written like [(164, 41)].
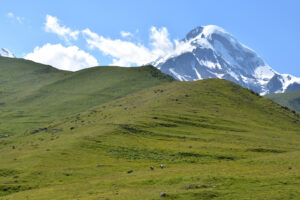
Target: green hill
[(33, 94), (215, 139), (288, 99)]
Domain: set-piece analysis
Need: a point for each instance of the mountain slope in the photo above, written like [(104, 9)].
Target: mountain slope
[(6, 53), (216, 140), (33, 94), (211, 52), (19, 78), (288, 99)]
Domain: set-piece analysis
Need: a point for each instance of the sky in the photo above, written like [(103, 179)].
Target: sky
[(72, 35)]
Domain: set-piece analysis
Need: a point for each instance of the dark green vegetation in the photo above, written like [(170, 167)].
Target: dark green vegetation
[(216, 140), (33, 94), (288, 99)]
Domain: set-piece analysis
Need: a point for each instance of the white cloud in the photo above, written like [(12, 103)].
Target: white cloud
[(53, 26), (13, 17), (125, 34), (10, 15), (124, 53), (127, 53), (160, 41), (66, 58)]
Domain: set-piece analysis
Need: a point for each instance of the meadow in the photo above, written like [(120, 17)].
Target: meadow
[(215, 139)]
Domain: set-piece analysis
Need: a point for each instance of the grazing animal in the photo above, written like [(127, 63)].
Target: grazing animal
[(162, 166), (152, 168), (163, 194)]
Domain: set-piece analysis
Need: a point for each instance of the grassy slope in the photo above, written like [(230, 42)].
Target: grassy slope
[(289, 99), (33, 94), (19, 77), (216, 139)]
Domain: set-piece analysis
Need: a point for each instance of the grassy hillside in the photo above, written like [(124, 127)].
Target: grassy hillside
[(33, 94), (19, 77), (288, 99), (216, 140)]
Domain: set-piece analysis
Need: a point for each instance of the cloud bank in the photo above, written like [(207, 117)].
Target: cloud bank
[(127, 53), (123, 52), (66, 58)]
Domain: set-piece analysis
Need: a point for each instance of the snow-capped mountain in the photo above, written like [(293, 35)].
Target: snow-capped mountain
[(6, 53), (211, 52)]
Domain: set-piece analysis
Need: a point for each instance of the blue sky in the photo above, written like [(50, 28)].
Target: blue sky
[(271, 28)]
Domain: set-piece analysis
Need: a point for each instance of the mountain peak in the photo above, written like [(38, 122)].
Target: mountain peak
[(205, 31), (213, 29), (6, 53), (211, 52)]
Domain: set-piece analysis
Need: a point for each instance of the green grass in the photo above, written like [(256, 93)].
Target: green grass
[(290, 100), (216, 139), (33, 94)]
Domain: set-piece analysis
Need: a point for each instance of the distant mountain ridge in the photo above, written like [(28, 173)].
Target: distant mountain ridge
[(6, 53), (288, 99), (211, 52)]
